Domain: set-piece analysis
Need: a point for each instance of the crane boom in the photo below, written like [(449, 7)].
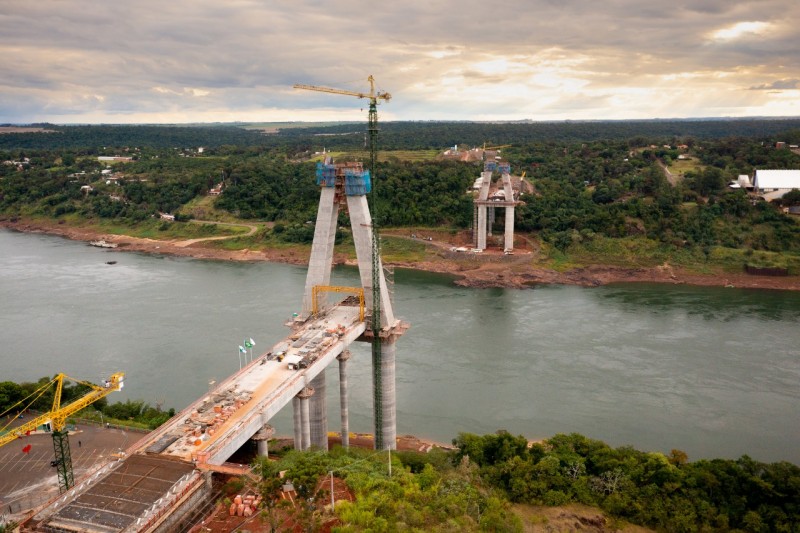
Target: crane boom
[(58, 415), (373, 96)]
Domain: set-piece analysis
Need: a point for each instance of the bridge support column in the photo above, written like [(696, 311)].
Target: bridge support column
[(262, 437), (298, 424), (343, 407), (509, 230), (388, 427), (508, 240), (482, 222), (319, 413), (304, 395)]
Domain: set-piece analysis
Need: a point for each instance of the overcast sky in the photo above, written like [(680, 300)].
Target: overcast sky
[(173, 61)]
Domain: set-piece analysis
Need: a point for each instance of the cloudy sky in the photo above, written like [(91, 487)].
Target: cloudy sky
[(173, 61)]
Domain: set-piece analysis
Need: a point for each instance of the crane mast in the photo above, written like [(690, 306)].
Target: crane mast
[(375, 320)]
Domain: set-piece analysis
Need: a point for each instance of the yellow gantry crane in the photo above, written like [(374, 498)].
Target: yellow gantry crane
[(358, 291), (57, 418), (372, 129)]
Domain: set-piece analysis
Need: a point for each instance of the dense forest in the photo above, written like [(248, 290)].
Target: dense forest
[(484, 481), (586, 194), (393, 135)]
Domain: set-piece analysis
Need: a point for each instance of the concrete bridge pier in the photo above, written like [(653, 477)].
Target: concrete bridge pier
[(482, 227), (388, 427), (509, 229), (304, 395), (343, 358), (319, 413), (298, 423), (262, 437)]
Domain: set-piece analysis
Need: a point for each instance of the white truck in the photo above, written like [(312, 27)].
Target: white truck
[(292, 361)]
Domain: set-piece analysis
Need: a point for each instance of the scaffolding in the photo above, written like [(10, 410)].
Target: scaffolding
[(357, 182), (326, 174)]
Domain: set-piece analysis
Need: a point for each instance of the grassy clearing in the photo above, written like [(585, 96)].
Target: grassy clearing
[(289, 125), (154, 229), (638, 252), (400, 250), (680, 167), (539, 518), (202, 208), (400, 155)]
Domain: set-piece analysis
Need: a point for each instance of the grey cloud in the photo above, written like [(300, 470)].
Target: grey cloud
[(248, 53), (792, 83)]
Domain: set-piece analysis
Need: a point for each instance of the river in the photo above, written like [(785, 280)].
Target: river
[(711, 371)]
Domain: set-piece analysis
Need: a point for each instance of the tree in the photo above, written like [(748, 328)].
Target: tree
[(268, 486)]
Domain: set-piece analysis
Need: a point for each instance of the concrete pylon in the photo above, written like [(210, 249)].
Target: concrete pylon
[(483, 221), (321, 260), (319, 413), (304, 395), (508, 237), (343, 406), (298, 423), (262, 437), (361, 222)]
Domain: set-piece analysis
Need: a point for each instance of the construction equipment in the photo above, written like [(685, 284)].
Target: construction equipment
[(375, 325), (358, 291), (57, 418)]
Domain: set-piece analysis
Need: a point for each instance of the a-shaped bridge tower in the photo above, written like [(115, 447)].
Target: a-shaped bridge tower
[(346, 185)]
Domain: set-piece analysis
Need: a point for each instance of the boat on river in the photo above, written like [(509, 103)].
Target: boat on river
[(102, 244)]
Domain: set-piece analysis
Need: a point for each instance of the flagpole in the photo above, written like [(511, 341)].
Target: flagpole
[(239, 353), (249, 343)]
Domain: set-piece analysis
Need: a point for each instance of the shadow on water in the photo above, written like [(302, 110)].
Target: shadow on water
[(707, 303)]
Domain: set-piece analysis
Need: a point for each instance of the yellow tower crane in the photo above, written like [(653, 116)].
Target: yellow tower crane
[(372, 95), (57, 418)]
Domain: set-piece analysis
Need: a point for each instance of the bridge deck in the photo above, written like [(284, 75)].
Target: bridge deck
[(208, 431)]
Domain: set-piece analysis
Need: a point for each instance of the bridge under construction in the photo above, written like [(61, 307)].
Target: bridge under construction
[(162, 478)]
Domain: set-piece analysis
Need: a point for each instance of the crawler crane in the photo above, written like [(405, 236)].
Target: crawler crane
[(57, 417), (375, 323)]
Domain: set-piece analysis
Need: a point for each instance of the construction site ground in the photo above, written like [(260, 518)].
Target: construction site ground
[(28, 477)]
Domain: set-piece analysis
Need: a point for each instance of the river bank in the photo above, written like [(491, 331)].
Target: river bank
[(502, 272)]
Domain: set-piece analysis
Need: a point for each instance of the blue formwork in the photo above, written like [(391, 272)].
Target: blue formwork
[(357, 182), (489, 166), (504, 168), (326, 175)]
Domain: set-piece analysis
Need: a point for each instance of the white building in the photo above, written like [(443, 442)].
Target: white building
[(742, 182), (773, 184)]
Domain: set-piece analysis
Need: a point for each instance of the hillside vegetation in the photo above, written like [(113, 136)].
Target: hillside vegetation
[(473, 488)]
